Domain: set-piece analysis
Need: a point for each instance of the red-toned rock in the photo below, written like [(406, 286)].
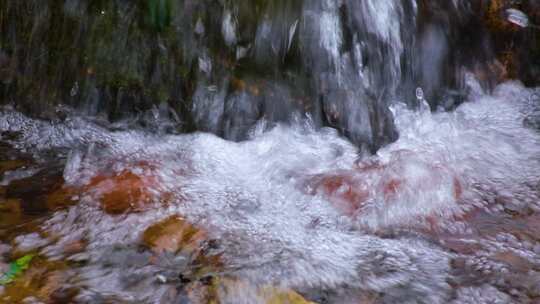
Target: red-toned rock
[(123, 192), (391, 188), (345, 192)]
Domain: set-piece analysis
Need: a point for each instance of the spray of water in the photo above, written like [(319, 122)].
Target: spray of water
[(297, 207)]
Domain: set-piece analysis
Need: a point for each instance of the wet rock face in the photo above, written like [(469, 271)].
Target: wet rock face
[(518, 49), (221, 66)]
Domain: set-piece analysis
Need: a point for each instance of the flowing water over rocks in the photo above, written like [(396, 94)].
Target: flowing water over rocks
[(449, 213), (221, 66), (257, 151)]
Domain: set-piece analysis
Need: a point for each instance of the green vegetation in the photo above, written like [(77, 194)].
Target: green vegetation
[(15, 269)]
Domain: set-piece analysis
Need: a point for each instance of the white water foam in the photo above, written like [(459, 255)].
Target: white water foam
[(249, 196)]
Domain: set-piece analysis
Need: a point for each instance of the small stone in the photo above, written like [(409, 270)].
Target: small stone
[(162, 279), (80, 257), (74, 247), (64, 295), (30, 300)]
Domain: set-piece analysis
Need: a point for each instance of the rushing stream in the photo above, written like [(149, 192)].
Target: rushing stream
[(269, 151), (449, 212)]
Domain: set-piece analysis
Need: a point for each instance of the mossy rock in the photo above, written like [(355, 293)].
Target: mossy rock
[(41, 281)]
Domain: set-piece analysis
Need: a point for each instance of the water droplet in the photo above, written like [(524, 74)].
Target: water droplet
[(74, 89), (419, 93), (517, 17)]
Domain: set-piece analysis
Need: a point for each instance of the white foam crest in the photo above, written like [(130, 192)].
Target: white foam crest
[(41, 135), (247, 194), (437, 156), (484, 139)]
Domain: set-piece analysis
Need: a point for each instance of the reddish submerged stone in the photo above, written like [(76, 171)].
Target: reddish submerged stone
[(123, 192)]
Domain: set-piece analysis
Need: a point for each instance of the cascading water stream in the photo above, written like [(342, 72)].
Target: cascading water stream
[(341, 185), (294, 207)]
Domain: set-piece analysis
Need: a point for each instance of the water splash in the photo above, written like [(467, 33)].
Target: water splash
[(295, 207)]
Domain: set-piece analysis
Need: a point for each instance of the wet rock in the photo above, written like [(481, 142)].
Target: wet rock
[(198, 292), (40, 282), (516, 48), (33, 191), (64, 295), (122, 192), (61, 197), (7, 68), (11, 215), (11, 158), (347, 193), (9, 165), (31, 300), (230, 290), (74, 247), (349, 58), (461, 246), (376, 194), (174, 234), (276, 296), (514, 261), (184, 250)]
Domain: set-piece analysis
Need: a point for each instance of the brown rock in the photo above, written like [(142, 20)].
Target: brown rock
[(122, 192), (9, 165), (233, 288), (61, 197), (41, 280), (75, 246), (513, 260), (278, 296), (33, 191), (199, 293), (174, 234), (460, 246), (10, 212)]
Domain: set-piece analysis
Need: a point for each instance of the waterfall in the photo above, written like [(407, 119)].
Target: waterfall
[(269, 151), (223, 66)]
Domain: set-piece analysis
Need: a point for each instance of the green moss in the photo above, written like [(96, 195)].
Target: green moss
[(158, 14)]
